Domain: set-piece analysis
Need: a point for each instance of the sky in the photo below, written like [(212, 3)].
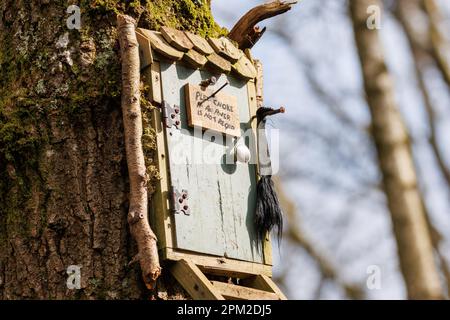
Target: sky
[(327, 166)]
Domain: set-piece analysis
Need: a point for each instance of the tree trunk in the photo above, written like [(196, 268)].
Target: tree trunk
[(422, 47), (396, 162), (438, 31), (63, 170), (420, 43)]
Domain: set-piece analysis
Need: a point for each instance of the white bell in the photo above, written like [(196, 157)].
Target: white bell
[(242, 153)]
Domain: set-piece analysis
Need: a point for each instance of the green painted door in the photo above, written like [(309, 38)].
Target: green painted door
[(221, 197)]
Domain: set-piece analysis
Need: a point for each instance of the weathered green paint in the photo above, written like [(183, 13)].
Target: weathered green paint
[(221, 197)]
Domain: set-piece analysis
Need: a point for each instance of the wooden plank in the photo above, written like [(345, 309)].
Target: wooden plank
[(259, 82), (252, 100), (217, 63), (256, 88), (235, 292), (195, 59), (160, 45), (194, 281), (176, 39), (219, 113), (263, 282), (225, 48), (145, 50), (160, 201), (239, 227), (155, 83), (200, 44), (245, 68), (188, 171), (268, 250), (248, 54), (160, 215), (219, 265)]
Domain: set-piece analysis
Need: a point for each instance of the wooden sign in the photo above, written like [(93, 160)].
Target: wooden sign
[(219, 113)]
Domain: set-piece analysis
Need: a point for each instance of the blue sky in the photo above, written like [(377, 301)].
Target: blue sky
[(327, 165)]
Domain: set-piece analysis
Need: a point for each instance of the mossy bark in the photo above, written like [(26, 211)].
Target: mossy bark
[(63, 172)]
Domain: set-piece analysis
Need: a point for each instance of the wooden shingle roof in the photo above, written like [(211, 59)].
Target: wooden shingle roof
[(218, 54)]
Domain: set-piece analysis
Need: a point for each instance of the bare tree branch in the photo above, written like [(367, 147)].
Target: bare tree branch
[(245, 32), (132, 121)]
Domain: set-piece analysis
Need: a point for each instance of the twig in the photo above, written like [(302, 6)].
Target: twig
[(132, 121), (246, 33)]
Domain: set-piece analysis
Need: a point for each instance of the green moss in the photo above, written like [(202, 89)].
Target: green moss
[(13, 220), (183, 15), (19, 132), (21, 139), (152, 14)]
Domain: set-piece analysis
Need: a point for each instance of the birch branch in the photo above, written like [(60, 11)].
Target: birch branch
[(132, 121)]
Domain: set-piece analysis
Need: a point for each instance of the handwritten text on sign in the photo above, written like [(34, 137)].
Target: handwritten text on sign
[(219, 113)]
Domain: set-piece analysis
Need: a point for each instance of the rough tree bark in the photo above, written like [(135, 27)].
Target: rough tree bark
[(63, 172), (396, 162)]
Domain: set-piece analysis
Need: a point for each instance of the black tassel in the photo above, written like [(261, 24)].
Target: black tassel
[(268, 212)]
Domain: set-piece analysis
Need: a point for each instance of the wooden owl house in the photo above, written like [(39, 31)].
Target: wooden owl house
[(206, 93)]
